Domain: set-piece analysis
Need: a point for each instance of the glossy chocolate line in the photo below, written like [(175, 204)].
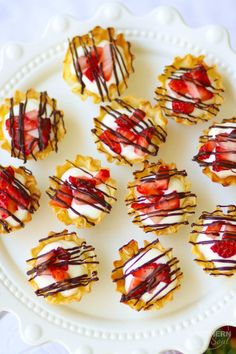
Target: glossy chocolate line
[(75, 59), (57, 234)]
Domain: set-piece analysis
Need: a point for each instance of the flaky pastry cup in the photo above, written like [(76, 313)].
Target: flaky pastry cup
[(188, 204), (155, 118), (91, 40), (31, 185), (201, 260), (58, 298), (18, 98), (129, 251), (189, 62), (91, 165)]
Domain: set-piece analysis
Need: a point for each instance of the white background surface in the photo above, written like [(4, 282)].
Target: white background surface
[(25, 20)]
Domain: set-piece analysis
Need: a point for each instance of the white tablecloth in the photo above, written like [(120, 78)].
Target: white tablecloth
[(24, 20)]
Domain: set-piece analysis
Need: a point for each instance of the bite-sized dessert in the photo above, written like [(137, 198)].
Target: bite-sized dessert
[(217, 152), (98, 64), (190, 91), (81, 192), (62, 268), (146, 277), (213, 238), (19, 197), (159, 198), (129, 130), (30, 125)]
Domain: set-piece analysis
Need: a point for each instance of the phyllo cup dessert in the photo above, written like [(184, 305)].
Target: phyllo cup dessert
[(82, 192), (129, 130), (98, 64), (190, 90), (146, 277), (19, 197), (213, 238), (31, 126), (217, 152), (159, 198), (63, 268)]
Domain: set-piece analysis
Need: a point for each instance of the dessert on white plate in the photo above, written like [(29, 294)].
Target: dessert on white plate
[(81, 192), (129, 130), (62, 268), (146, 277), (217, 152)]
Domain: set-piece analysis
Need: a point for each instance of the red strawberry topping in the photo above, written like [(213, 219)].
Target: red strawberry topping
[(110, 139), (7, 205), (213, 230), (206, 150), (102, 176), (198, 75), (155, 187), (170, 202), (225, 248), (63, 197), (182, 107), (32, 131)]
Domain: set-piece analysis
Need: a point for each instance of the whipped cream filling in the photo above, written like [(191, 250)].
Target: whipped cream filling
[(32, 104), (175, 184), (127, 151), (205, 249), (84, 209), (20, 213), (74, 270), (212, 134), (91, 85), (137, 262)]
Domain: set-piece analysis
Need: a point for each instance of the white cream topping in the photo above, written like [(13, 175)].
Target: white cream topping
[(212, 134), (206, 248), (73, 270), (84, 209), (32, 104), (135, 263), (175, 184), (91, 85), (21, 214)]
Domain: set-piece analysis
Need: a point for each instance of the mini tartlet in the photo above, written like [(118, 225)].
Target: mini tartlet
[(217, 152), (213, 238), (146, 277), (30, 125), (98, 64), (159, 198), (190, 91), (129, 130), (81, 192), (19, 197), (62, 268)]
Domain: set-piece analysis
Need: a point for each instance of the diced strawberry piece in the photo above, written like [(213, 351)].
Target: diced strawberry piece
[(110, 139), (225, 156), (84, 182), (127, 134), (123, 121), (59, 274), (63, 197), (204, 94), (144, 140), (139, 206), (213, 230), (137, 116), (179, 86), (170, 203), (230, 231), (102, 176), (21, 197), (206, 150), (87, 198), (107, 62), (198, 74), (225, 248), (156, 187), (8, 205), (144, 271), (182, 107)]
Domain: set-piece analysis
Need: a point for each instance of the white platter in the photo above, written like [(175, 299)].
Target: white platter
[(99, 324)]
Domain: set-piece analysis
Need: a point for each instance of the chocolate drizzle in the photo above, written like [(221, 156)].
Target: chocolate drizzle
[(139, 127), (151, 281), (98, 196), (142, 214), (207, 219), (164, 97), (90, 47), (18, 147), (220, 138), (26, 195), (60, 258)]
